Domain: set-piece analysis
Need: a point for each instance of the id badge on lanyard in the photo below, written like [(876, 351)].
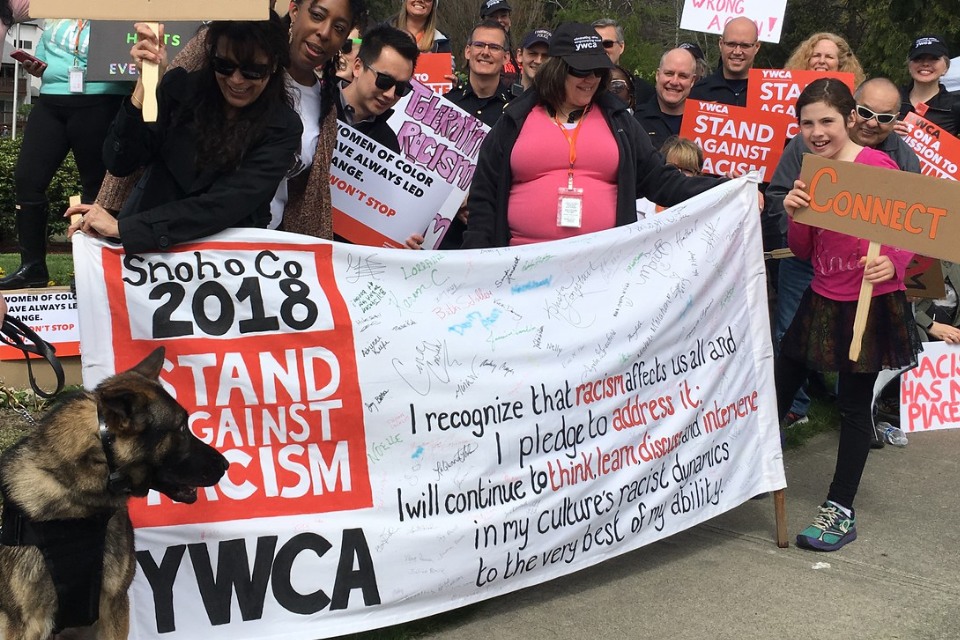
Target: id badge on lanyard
[(570, 199), (77, 72)]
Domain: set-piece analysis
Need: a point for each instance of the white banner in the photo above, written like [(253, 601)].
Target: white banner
[(930, 392), (711, 16), (410, 432)]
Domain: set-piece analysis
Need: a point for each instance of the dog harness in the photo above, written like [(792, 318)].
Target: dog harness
[(73, 550)]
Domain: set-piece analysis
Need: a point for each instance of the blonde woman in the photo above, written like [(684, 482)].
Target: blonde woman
[(826, 52), (419, 19)]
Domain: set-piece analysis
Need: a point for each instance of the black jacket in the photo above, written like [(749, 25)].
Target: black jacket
[(714, 88), (486, 110), (173, 202), (642, 172), (943, 109), (376, 129), (654, 123)]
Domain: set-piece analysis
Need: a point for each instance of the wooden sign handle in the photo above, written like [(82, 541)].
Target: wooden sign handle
[(74, 201), (863, 305), (150, 76)]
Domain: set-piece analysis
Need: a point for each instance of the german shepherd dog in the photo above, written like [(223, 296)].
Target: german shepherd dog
[(66, 542)]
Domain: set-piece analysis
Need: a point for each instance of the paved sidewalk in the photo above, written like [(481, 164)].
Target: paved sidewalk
[(727, 578)]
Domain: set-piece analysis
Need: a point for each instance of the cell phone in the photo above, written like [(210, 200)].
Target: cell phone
[(23, 56)]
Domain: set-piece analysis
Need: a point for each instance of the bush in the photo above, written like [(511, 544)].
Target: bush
[(65, 183)]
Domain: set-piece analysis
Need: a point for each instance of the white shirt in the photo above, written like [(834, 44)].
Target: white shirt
[(306, 101)]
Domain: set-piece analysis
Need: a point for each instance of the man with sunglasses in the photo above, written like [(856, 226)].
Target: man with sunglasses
[(738, 48), (611, 37), (483, 95), (381, 76)]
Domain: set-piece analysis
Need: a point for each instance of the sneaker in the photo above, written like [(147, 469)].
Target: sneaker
[(831, 529), (794, 420)]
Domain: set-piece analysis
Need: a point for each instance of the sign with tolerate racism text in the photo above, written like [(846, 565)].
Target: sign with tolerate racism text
[(930, 392), (110, 43), (51, 314), (777, 90), (410, 432), (895, 208), (735, 140), (711, 16), (939, 152), (432, 71), (151, 10)]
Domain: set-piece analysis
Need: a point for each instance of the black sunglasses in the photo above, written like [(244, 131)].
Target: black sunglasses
[(225, 67), (608, 44), (578, 73), (882, 118), (385, 82), (348, 45)]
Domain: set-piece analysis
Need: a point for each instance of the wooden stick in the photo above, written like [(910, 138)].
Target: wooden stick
[(780, 512), (150, 76), (74, 201), (863, 305)]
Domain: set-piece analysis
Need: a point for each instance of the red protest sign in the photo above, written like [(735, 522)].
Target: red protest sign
[(432, 69), (777, 90), (939, 152), (735, 140)]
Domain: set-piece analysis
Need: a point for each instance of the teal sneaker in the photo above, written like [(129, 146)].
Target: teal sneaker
[(831, 529)]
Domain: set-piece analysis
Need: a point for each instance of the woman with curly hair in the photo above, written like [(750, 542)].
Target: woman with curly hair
[(826, 52)]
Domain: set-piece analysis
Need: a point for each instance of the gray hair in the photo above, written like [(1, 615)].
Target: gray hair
[(607, 22)]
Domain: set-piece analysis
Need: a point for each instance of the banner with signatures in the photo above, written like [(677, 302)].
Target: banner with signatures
[(410, 432)]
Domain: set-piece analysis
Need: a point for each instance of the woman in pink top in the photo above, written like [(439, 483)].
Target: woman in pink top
[(820, 335)]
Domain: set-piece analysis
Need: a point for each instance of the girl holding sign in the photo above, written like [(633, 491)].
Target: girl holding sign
[(820, 335)]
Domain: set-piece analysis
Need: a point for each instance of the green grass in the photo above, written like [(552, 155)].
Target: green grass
[(823, 416), (60, 266)]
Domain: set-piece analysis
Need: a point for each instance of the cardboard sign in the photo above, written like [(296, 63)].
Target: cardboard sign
[(895, 208), (151, 10), (924, 278), (51, 314), (432, 69), (777, 90), (410, 432), (939, 152), (930, 392), (711, 16), (735, 140), (110, 43)]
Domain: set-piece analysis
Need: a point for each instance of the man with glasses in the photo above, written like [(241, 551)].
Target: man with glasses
[(611, 35), (738, 48), (381, 76), (661, 116), (483, 95)]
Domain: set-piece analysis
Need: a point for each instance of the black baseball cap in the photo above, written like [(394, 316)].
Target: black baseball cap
[(928, 45), (694, 49), (492, 6), (580, 46), (537, 36)]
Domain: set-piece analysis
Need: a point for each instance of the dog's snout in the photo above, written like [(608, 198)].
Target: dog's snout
[(224, 464)]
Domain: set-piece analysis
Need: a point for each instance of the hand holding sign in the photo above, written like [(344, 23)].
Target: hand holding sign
[(150, 56)]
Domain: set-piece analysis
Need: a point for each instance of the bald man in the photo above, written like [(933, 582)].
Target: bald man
[(661, 116), (738, 48)]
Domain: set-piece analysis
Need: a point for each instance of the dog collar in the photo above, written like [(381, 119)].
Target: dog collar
[(117, 483)]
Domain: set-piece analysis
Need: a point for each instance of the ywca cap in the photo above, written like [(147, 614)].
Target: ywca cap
[(928, 45), (580, 46), (537, 36), (492, 6), (694, 49)]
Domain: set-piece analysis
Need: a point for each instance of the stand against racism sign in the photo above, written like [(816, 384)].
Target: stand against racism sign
[(411, 432), (777, 90), (735, 140), (930, 392), (711, 16)]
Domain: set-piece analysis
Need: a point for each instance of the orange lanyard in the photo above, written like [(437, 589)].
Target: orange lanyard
[(572, 141), (81, 25)]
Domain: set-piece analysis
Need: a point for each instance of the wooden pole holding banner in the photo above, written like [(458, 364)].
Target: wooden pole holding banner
[(863, 305), (152, 12), (780, 514)]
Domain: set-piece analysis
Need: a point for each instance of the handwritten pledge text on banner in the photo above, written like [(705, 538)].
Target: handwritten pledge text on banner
[(520, 413)]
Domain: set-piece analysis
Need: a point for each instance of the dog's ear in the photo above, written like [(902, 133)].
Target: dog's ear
[(121, 406), (151, 365)]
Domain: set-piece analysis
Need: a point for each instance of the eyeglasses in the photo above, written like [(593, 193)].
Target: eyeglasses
[(348, 45), (494, 48), (609, 44), (618, 86), (743, 46), (224, 67), (385, 82), (882, 118), (577, 73)]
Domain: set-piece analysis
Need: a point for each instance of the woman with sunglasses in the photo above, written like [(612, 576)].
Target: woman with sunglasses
[(929, 61), (567, 143), (224, 138), (348, 52), (419, 19), (621, 85)]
